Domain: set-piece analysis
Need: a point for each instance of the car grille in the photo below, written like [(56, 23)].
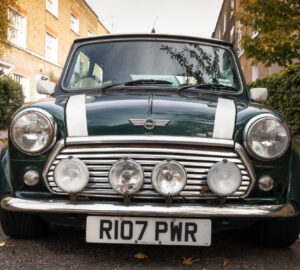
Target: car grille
[(195, 160)]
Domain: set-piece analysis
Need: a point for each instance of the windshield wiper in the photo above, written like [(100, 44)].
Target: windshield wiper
[(208, 86), (138, 82)]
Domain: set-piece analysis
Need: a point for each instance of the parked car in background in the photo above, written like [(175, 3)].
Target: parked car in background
[(151, 139)]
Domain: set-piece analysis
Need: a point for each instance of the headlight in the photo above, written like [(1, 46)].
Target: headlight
[(224, 178), (266, 137), (168, 178), (71, 175), (33, 131), (126, 176)]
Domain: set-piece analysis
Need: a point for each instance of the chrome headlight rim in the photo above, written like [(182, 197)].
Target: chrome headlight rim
[(140, 168), (153, 180), (48, 117), (246, 135)]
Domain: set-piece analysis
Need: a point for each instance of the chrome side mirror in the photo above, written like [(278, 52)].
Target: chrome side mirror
[(259, 94), (45, 87)]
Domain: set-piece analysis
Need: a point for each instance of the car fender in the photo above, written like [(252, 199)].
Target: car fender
[(5, 183), (294, 185)]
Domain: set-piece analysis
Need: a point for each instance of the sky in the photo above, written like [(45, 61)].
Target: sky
[(185, 17)]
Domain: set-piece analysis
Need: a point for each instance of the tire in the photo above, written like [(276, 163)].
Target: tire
[(22, 225), (275, 233)]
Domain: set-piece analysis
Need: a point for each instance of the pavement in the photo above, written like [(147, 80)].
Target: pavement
[(65, 248)]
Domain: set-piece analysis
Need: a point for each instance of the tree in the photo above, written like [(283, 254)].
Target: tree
[(277, 23), (4, 20)]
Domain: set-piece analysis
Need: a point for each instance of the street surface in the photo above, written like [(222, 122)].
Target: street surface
[(65, 248)]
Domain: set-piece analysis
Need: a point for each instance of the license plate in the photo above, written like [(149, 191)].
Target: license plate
[(148, 231)]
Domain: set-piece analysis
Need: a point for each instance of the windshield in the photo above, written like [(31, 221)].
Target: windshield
[(103, 64)]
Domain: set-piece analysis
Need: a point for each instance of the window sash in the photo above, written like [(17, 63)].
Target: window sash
[(17, 32), (74, 23), (51, 48), (52, 6)]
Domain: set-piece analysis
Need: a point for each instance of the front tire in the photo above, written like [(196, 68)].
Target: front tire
[(22, 225), (276, 233)]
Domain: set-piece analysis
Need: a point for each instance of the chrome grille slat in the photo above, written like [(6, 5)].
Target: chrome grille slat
[(197, 163), (156, 156), (147, 150)]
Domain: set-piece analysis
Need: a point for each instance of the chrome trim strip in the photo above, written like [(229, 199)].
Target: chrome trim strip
[(160, 139), (114, 209), (243, 155)]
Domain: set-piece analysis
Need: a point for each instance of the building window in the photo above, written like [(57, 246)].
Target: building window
[(219, 34), (74, 24), (231, 8), (224, 25), (255, 72), (17, 32), (24, 81), (232, 35), (51, 48), (52, 7), (239, 39), (90, 34)]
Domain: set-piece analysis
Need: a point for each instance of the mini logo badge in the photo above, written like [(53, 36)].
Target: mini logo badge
[(149, 123)]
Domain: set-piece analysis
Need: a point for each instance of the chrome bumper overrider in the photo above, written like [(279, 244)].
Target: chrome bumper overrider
[(117, 209)]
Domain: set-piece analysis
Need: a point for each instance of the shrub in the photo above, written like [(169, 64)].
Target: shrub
[(284, 94), (11, 98)]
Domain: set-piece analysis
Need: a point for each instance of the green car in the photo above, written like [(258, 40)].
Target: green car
[(151, 139)]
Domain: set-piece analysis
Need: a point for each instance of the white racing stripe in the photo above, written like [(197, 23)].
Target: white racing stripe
[(76, 116), (224, 119)]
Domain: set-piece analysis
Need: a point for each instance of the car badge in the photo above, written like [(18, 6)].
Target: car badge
[(149, 123)]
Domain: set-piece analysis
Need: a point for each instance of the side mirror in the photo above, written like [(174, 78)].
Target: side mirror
[(45, 87), (259, 94)]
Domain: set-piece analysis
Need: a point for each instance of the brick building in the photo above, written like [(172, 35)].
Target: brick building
[(41, 36), (229, 29)]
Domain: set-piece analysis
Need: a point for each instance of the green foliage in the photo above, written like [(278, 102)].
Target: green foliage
[(277, 23), (4, 20), (284, 94), (11, 98)]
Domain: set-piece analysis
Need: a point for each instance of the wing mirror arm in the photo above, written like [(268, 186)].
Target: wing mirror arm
[(259, 94), (45, 87)]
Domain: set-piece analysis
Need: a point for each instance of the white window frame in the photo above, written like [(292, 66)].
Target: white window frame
[(254, 34), (25, 82), (51, 56), (255, 72), (232, 35), (240, 51), (231, 8), (224, 23), (19, 27), (52, 7), (74, 23), (90, 34)]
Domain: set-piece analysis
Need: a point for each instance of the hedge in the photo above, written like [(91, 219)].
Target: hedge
[(284, 94), (11, 98)]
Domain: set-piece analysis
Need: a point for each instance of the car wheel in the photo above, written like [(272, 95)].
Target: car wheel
[(275, 233), (22, 225)]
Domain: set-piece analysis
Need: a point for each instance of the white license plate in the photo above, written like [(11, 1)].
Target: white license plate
[(148, 231)]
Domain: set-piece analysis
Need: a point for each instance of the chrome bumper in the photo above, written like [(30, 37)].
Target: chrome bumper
[(118, 209)]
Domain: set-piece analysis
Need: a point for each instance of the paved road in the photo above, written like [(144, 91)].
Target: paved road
[(65, 248)]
